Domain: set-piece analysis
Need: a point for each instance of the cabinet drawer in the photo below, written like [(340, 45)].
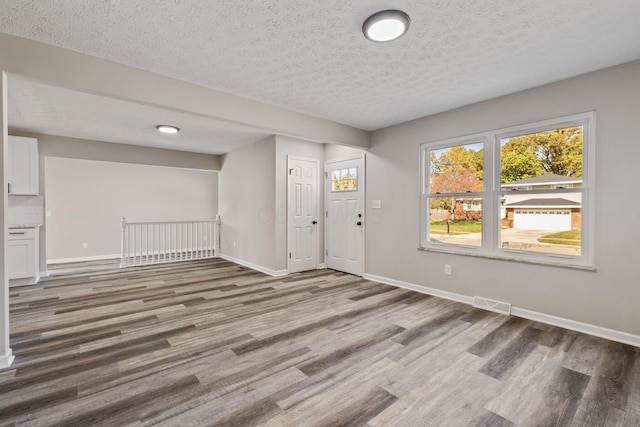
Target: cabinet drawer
[(22, 233)]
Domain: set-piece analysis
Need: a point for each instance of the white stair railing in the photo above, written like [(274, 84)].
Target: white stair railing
[(170, 241)]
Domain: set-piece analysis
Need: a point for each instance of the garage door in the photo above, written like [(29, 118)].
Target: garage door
[(542, 219)]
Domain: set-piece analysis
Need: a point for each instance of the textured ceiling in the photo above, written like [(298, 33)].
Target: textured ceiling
[(311, 57), (40, 108)]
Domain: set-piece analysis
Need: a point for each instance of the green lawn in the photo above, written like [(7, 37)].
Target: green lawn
[(571, 237), (456, 227)]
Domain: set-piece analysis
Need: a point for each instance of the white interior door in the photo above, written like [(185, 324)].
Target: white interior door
[(303, 214), (345, 215)]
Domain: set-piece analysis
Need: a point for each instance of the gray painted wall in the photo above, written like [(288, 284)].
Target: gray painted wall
[(253, 201), (335, 151), (73, 148), (247, 204), (63, 147), (87, 199), (608, 297)]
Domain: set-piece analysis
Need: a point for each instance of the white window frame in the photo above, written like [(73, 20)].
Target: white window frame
[(492, 194), (332, 181)]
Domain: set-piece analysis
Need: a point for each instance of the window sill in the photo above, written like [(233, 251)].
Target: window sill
[(507, 258)]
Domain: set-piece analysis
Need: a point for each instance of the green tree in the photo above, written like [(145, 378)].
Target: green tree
[(517, 166), (459, 158), (557, 152)]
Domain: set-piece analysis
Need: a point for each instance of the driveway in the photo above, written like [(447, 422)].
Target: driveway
[(523, 236), (514, 238)]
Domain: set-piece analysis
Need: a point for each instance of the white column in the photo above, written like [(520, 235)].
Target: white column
[(6, 355)]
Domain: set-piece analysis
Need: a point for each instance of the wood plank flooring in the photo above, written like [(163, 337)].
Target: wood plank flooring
[(213, 343)]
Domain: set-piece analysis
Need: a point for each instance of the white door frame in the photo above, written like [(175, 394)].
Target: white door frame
[(327, 191), (289, 207)]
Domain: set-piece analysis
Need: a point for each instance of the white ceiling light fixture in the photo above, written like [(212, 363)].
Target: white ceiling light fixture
[(386, 25), (167, 129)]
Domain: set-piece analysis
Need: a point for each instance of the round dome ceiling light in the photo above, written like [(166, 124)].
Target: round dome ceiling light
[(167, 129), (386, 25)]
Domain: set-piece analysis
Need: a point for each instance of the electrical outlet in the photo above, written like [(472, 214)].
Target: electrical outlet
[(447, 269), (84, 246)]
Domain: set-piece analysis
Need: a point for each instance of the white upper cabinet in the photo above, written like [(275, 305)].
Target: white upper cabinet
[(23, 166)]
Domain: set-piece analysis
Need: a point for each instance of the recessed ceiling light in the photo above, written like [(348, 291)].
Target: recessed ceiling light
[(167, 129), (386, 25)]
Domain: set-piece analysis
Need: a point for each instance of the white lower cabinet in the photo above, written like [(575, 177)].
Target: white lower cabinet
[(22, 256)]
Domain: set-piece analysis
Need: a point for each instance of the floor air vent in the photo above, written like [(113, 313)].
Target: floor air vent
[(491, 305)]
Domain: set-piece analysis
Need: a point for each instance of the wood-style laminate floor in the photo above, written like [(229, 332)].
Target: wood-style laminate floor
[(214, 343)]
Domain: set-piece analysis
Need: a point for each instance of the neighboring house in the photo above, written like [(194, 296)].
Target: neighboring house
[(532, 211), (551, 211)]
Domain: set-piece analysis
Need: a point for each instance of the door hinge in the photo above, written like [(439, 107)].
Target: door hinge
[(326, 214), (289, 255), (326, 174), (290, 171), (326, 252)]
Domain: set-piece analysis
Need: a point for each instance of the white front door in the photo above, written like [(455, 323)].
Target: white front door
[(303, 214), (345, 214)]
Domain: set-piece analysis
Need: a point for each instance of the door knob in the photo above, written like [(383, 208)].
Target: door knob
[(359, 223), (314, 222)]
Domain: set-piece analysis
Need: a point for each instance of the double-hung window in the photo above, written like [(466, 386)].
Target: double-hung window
[(522, 193)]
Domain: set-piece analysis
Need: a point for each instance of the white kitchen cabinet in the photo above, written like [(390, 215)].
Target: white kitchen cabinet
[(23, 166), (22, 256)]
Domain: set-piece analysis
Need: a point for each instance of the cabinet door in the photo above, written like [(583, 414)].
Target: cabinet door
[(23, 166), (21, 258)]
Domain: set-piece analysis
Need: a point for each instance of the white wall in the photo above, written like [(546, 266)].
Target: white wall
[(247, 204), (86, 200), (608, 297)]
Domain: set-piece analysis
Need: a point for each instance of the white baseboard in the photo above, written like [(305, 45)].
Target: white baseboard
[(24, 281), (81, 259), (422, 289), (270, 272), (6, 359), (598, 331), (322, 266)]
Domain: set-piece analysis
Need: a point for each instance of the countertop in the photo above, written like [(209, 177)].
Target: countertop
[(12, 227)]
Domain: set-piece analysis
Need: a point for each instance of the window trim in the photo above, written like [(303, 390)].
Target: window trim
[(492, 193)]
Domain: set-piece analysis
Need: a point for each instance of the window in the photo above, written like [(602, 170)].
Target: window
[(522, 193), (344, 179), (455, 182)]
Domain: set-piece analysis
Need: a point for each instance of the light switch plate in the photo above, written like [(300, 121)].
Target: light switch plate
[(376, 204)]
